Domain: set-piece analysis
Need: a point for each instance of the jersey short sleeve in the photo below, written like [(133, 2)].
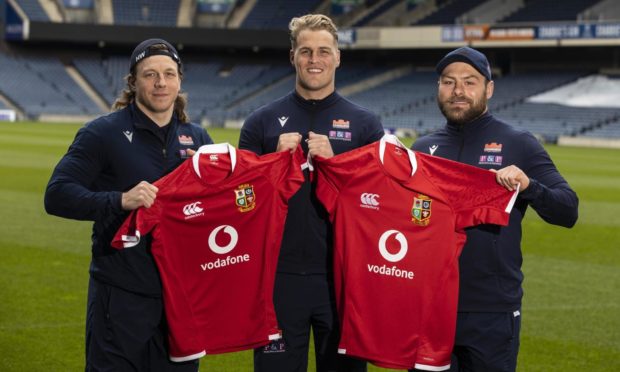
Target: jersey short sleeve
[(473, 192), (139, 223)]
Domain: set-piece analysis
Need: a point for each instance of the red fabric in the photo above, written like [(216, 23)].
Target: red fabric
[(218, 302), (401, 313)]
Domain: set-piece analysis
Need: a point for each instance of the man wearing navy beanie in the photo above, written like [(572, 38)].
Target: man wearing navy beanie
[(489, 308), (109, 170)]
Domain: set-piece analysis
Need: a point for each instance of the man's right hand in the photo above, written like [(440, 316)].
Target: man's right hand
[(142, 195), (288, 141)]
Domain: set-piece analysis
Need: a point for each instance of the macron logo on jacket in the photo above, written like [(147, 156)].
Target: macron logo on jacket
[(128, 134)]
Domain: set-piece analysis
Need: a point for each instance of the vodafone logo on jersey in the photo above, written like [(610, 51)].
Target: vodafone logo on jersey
[(392, 270), (369, 200), (217, 237), (193, 210), (401, 240), (234, 238)]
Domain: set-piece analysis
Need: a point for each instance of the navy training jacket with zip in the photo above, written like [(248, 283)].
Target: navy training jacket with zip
[(306, 244), (109, 156), (490, 263)]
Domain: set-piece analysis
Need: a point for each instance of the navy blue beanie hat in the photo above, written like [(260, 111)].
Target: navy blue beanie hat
[(467, 55), (144, 50)]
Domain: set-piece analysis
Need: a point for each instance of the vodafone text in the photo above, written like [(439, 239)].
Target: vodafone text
[(390, 271), (229, 260)]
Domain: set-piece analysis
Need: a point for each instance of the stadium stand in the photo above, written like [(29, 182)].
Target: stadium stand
[(229, 83), (398, 101), (347, 75), (449, 12), (146, 12), (276, 14), (376, 12), (225, 90), (40, 85), (548, 10), (34, 11), (608, 130), (104, 75), (409, 102)]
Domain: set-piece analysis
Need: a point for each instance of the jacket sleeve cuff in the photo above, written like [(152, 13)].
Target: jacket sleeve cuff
[(533, 191), (117, 202)]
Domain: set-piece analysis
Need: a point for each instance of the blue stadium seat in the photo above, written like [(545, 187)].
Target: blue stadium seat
[(448, 13), (549, 10), (33, 10), (146, 12), (276, 14), (40, 85)]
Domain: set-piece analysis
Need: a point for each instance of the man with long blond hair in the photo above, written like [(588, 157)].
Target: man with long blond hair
[(107, 172)]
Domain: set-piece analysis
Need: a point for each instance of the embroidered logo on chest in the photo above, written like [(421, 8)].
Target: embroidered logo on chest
[(421, 210), (245, 199)]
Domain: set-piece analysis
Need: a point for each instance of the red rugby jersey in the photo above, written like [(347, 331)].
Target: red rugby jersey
[(399, 220), (216, 227)]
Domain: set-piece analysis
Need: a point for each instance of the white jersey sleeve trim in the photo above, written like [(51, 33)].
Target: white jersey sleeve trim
[(217, 148), (188, 357), (342, 351), (426, 367), (513, 199), (275, 336), (130, 241)]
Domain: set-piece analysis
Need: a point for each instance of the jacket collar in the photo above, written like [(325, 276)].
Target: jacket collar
[(141, 121), (473, 126), (316, 103)]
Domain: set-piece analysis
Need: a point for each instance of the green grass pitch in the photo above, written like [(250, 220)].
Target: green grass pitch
[(571, 311)]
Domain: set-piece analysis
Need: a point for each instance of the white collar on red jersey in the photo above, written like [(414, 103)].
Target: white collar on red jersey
[(395, 141), (217, 148)]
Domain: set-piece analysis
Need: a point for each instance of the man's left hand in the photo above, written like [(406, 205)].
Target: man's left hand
[(318, 144), (510, 177)]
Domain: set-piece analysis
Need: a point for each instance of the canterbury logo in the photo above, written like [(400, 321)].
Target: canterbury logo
[(403, 246), (234, 238), (193, 210), (369, 200)]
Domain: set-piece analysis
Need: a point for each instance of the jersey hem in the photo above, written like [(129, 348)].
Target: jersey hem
[(426, 367), (188, 357)]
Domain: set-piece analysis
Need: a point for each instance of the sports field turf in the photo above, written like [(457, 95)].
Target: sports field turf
[(571, 312)]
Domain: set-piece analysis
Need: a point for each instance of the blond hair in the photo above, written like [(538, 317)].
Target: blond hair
[(313, 22), (128, 95)]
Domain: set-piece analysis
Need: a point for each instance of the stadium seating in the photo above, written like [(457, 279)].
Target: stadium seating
[(222, 89), (33, 10), (376, 12), (549, 10), (399, 101), (146, 12), (449, 12), (276, 14), (40, 85), (105, 76), (345, 76), (212, 87), (610, 130)]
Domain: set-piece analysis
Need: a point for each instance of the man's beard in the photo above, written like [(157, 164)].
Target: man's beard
[(463, 116)]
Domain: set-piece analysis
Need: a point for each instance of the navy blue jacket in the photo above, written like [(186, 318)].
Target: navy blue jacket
[(307, 242), (109, 156), (490, 264)]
